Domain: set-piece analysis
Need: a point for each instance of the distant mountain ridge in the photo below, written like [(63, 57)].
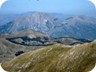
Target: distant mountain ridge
[(34, 38), (76, 26), (5, 18)]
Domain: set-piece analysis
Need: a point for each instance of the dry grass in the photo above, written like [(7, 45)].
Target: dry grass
[(56, 58)]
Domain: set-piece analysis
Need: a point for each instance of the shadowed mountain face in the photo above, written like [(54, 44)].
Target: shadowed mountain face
[(76, 26), (56, 58)]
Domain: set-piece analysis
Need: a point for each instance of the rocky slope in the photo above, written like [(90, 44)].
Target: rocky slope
[(30, 21), (57, 58), (76, 26)]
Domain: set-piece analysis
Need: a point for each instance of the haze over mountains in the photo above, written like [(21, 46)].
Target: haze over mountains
[(62, 39), (47, 36), (5, 18), (52, 25)]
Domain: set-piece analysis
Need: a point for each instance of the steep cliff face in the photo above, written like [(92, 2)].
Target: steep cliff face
[(57, 58)]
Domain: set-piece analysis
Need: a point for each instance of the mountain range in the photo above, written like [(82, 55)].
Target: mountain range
[(47, 42), (52, 25)]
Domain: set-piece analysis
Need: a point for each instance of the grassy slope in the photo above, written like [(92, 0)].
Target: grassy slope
[(57, 58), (8, 49)]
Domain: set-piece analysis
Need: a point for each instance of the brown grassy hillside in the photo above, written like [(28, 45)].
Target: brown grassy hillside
[(57, 58), (8, 49)]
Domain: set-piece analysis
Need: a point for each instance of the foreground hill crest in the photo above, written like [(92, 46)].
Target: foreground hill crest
[(56, 58)]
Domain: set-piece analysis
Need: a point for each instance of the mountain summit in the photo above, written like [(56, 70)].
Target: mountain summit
[(75, 26)]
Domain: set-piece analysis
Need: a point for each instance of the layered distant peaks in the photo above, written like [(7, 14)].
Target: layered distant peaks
[(74, 26)]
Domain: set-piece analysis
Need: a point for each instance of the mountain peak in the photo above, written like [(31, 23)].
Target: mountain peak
[(52, 26)]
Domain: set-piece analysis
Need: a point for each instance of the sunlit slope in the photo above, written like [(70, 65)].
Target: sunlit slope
[(57, 58)]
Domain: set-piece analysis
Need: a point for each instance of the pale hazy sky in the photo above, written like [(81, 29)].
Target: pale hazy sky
[(80, 7)]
